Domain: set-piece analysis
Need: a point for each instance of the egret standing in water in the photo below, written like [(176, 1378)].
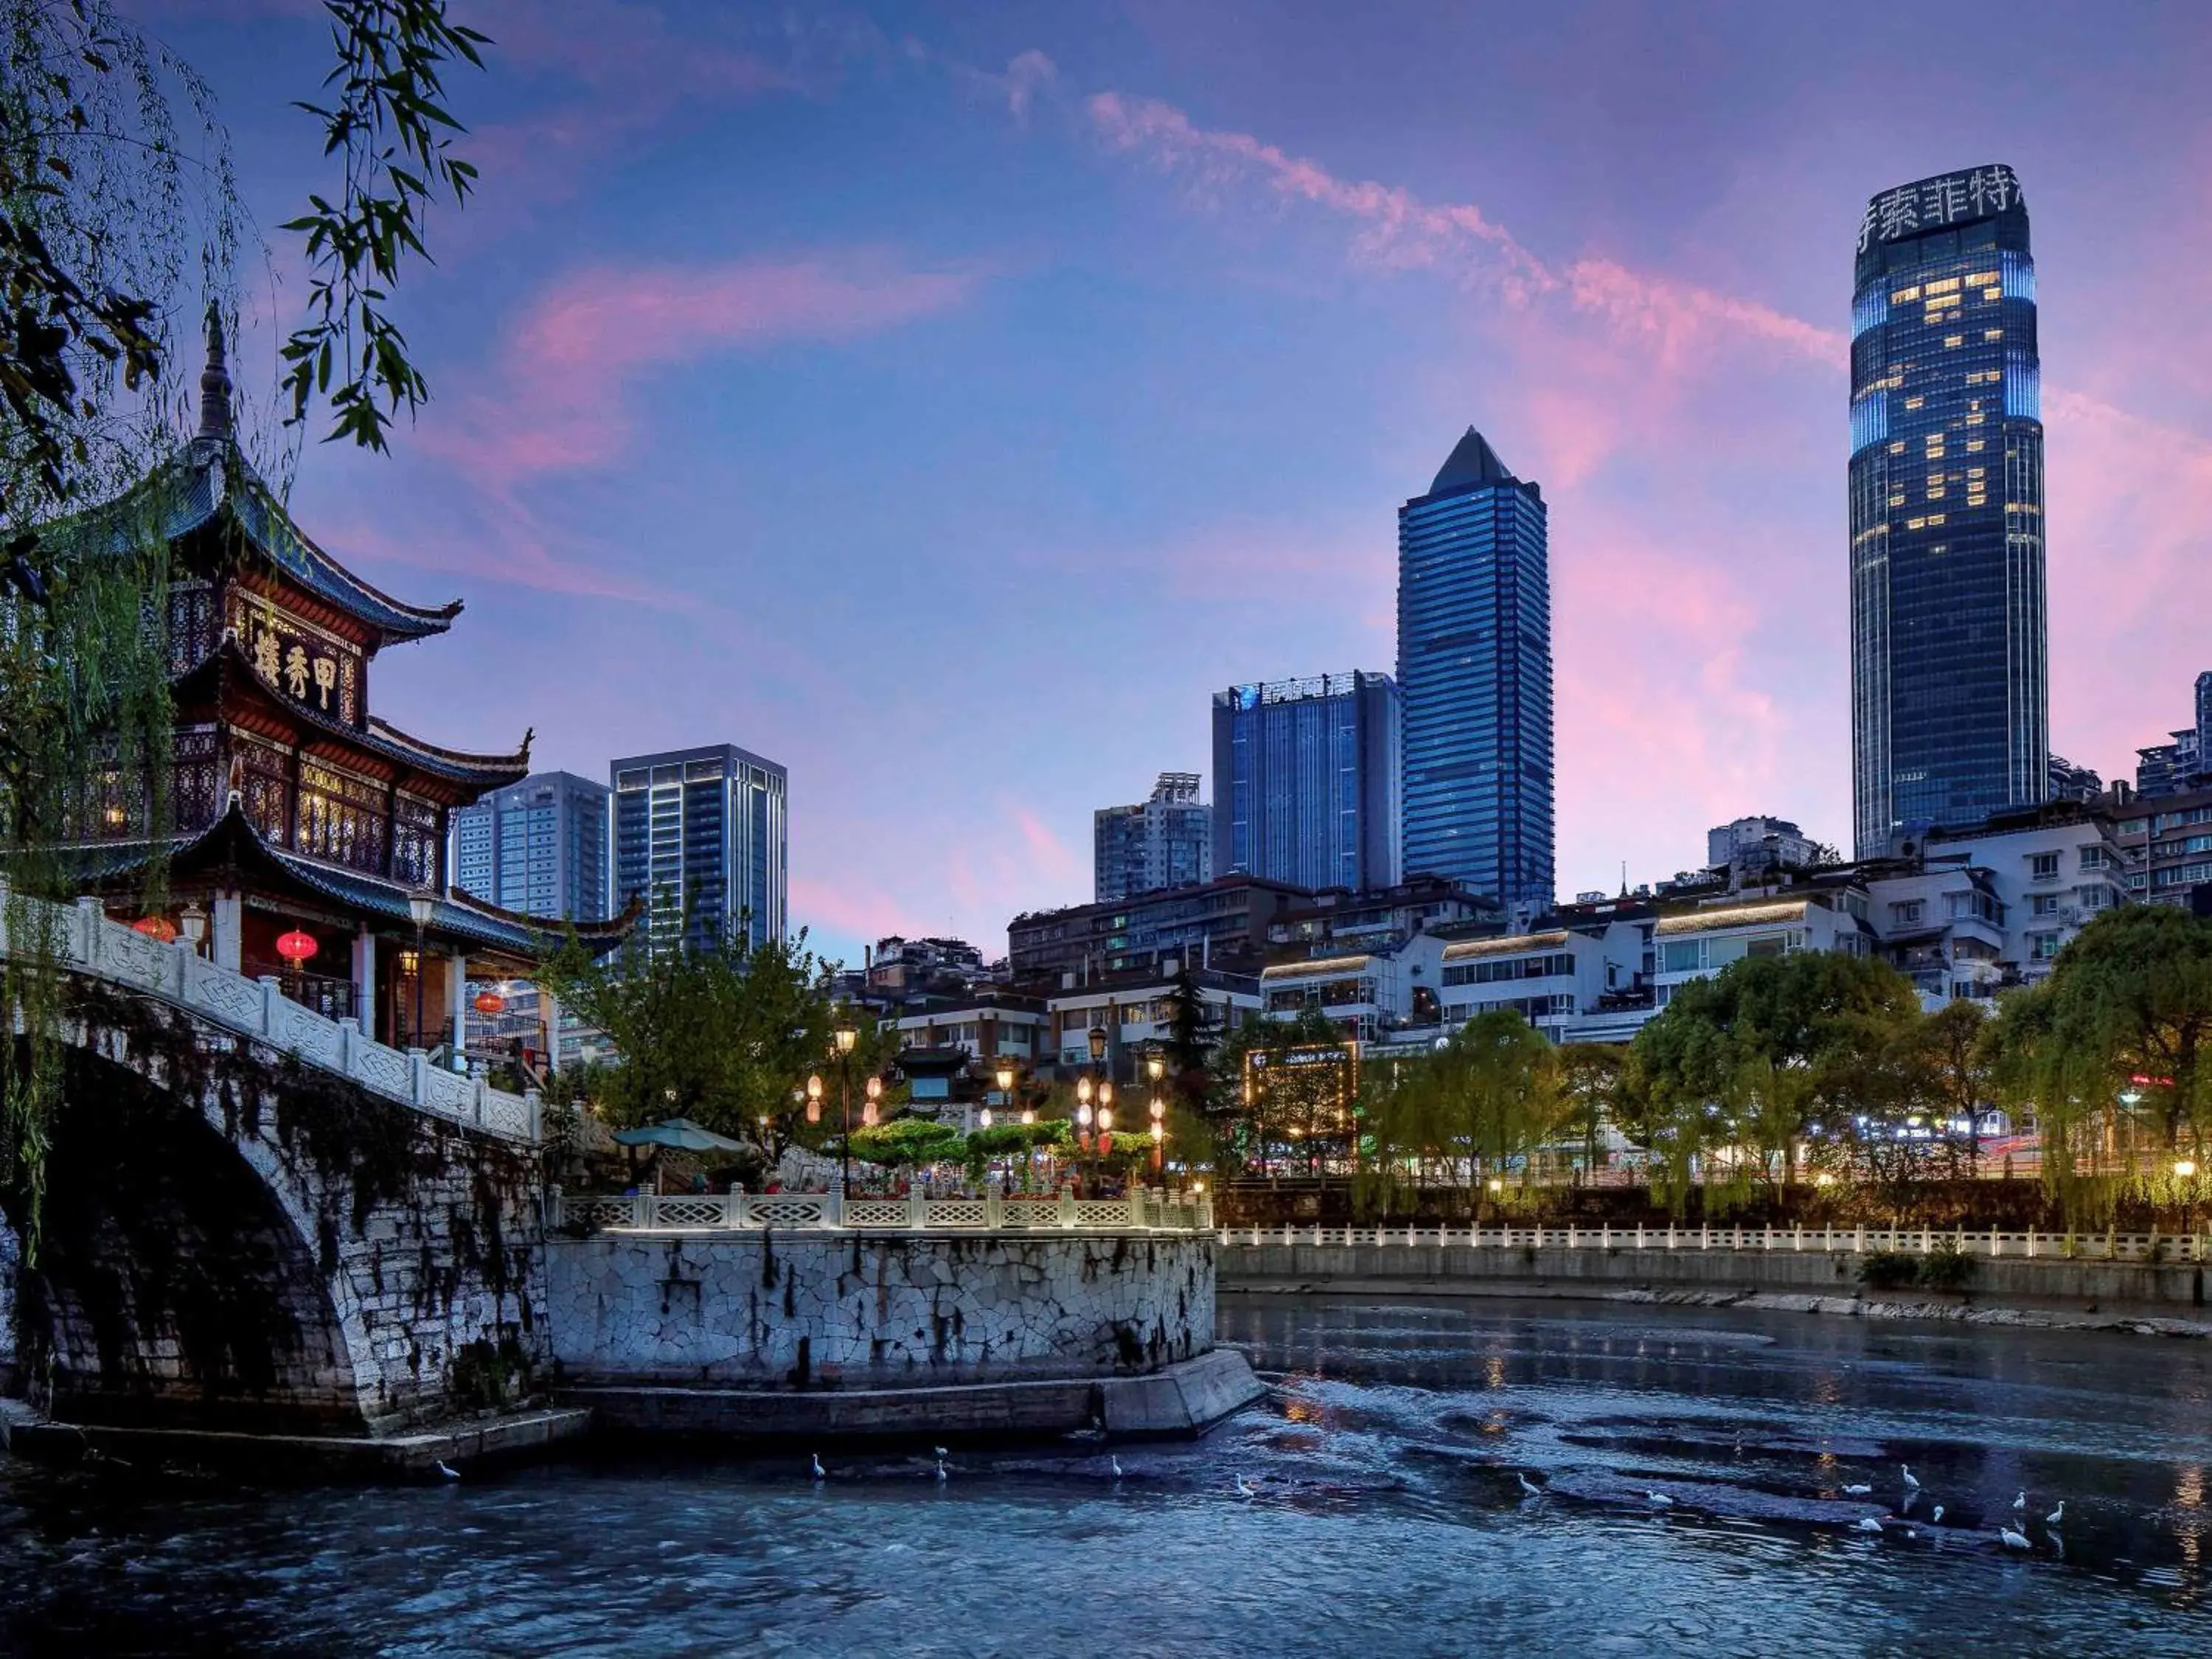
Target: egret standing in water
[(1528, 1487)]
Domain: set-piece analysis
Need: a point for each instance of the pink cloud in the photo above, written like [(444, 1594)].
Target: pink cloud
[(561, 389), (1399, 231)]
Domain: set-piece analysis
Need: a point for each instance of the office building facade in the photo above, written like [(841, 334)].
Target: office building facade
[(1950, 718), (2167, 769), (1474, 680), (1306, 780), (538, 847), (703, 832), (1162, 842)]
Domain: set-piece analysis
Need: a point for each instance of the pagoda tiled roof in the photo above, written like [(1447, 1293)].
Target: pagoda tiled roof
[(210, 479), (480, 772), (459, 918)]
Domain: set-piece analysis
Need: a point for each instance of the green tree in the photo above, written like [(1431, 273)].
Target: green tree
[(1589, 1080), (2129, 998), (721, 1032), (1482, 1102), (1747, 1064)]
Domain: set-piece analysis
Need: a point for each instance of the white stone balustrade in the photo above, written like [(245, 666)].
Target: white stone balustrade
[(1856, 1241), (1141, 1212), (88, 942)]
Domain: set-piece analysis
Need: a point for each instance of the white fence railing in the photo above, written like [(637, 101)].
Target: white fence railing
[(90, 944), (1857, 1241), (1142, 1212)]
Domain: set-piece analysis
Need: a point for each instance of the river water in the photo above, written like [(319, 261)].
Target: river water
[(1385, 1515)]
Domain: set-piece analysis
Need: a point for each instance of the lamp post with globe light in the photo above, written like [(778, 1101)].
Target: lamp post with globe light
[(422, 905), (842, 1039)]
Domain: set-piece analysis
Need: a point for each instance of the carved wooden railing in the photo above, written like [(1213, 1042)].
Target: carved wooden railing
[(1142, 1212), (87, 942)]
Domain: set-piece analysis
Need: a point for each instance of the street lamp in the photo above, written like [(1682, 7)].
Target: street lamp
[(843, 1038), (195, 921), (422, 905)]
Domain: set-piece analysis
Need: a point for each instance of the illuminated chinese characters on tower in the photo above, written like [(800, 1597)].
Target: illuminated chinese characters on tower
[(1952, 199)]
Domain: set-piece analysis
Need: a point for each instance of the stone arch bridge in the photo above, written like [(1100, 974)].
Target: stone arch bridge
[(256, 1217)]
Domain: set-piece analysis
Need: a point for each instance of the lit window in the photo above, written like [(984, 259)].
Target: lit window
[(1916, 523), (1974, 420), (1897, 500), (1914, 402), (1993, 334), (1974, 446), (1935, 518), (1902, 295), (1898, 448), (1976, 471), (1942, 285), (1950, 340)]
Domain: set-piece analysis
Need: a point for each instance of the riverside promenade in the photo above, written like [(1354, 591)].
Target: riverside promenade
[(2132, 1280)]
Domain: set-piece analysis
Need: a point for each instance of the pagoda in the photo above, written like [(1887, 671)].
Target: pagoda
[(307, 838)]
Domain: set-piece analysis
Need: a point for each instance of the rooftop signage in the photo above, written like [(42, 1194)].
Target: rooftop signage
[(1937, 203)]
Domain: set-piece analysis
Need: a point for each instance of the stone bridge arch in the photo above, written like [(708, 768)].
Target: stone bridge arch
[(233, 1238)]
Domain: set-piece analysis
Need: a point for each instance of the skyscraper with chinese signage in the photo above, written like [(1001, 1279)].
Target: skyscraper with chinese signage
[(1950, 717), (1475, 679)]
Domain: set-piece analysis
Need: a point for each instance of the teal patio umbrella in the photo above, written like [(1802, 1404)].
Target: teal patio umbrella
[(681, 1133)]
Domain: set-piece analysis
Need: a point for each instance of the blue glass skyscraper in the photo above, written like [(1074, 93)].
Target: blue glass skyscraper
[(1950, 709), (1306, 780), (1475, 679)]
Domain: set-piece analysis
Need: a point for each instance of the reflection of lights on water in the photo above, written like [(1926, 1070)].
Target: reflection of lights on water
[(2189, 1489), (1494, 1372)]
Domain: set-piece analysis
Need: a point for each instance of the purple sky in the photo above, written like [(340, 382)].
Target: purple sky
[(944, 400)]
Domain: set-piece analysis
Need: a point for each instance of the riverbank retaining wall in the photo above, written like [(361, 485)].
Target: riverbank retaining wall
[(1503, 1270), (10, 1264), (811, 1309)]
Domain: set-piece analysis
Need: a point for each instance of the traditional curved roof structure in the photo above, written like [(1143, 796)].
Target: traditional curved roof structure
[(209, 483)]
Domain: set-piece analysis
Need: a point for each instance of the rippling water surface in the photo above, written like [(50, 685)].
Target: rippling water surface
[(1386, 1515)]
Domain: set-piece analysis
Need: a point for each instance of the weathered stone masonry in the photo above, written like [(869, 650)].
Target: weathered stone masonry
[(804, 1308), (254, 1246)]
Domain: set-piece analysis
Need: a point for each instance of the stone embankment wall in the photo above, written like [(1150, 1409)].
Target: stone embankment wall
[(261, 1249), (10, 1255), (1704, 1275), (804, 1308)]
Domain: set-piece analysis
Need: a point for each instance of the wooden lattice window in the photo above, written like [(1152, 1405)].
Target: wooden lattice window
[(341, 817), (192, 623), (416, 836), (265, 780), (195, 778)]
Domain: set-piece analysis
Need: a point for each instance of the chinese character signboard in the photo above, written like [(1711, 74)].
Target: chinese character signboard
[(1950, 198), (300, 661)]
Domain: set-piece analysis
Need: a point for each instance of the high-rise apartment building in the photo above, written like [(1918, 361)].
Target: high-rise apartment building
[(1165, 842), (1475, 679), (539, 847), (2166, 768), (702, 831), (1306, 782), (1950, 711)]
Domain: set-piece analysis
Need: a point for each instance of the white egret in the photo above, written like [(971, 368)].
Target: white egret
[(815, 1466), (1867, 1524), (2057, 1515), (1858, 1491), (1659, 1499), (1911, 1479), (1528, 1487), (2014, 1540)]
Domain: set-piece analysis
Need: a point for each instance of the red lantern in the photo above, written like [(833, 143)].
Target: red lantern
[(488, 1002), (1105, 1142), (296, 947), (160, 929)]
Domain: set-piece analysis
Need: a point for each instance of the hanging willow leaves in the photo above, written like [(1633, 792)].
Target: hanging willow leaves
[(389, 126), (119, 216)]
